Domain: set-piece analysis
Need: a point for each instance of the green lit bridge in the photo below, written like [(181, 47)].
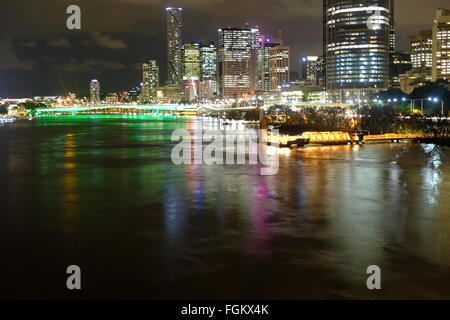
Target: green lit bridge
[(139, 109)]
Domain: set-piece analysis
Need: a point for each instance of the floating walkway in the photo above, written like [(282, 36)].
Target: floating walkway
[(348, 138)]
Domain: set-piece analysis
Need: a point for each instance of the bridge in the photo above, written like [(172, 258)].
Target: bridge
[(124, 109)]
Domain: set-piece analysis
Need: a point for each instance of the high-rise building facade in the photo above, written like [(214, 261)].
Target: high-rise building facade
[(191, 61), (234, 62), (255, 39), (358, 47), (279, 67), (393, 36), (310, 69), (174, 41), (441, 45), (422, 49), (208, 70), (321, 71), (263, 67), (150, 80), (95, 91), (400, 64)]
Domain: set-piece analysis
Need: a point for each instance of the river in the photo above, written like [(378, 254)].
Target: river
[(102, 193)]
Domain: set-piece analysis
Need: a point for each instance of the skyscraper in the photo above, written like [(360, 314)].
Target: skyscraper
[(393, 36), (174, 41), (422, 49), (358, 46), (441, 45), (150, 80), (234, 60), (95, 91), (279, 67), (255, 46), (208, 70), (263, 66), (191, 61), (310, 69)]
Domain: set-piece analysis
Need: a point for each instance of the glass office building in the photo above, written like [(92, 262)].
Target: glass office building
[(234, 62), (174, 41), (358, 43), (441, 45), (94, 90), (150, 80), (422, 49), (191, 61), (208, 69), (279, 58)]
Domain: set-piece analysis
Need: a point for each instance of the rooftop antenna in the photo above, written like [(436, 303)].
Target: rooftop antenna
[(280, 37)]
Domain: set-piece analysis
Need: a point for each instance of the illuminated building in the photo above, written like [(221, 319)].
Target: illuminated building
[(191, 61), (321, 71), (279, 67), (310, 66), (358, 45), (441, 45), (255, 41), (150, 80), (392, 36), (168, 94), (95, 91), (208, 70), (263, 66), (422, 49), (400, 64), (174, 40), (190, 89), (234, 59)]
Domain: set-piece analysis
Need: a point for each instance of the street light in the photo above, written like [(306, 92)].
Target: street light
[(437, 100)]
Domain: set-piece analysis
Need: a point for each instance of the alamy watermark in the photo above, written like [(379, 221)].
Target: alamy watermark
[(215, 147), (374, 281), (74, 280), (375, 21), (73, 22)]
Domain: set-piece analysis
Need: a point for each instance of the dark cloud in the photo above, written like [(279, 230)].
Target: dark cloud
[(117, 35), (59, 42), (9, 60), (103, 40)]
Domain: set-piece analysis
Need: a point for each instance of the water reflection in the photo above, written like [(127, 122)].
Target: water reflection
[(104, 192)]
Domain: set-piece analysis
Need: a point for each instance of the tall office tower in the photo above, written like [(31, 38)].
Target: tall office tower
[(150, 80), (95, 91), (393, 36), (400, 64), (310, 69), (279, 67), (191, 61), (191, 71), (321, 71), (394, 55), (324, 39), (358, 48), (234, 58), (254, 62), (441, 45), (263, 70), (422, 49), (208, 70), (174, 40)]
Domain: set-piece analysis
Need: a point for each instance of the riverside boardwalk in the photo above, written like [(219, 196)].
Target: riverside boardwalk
[(348, 137)]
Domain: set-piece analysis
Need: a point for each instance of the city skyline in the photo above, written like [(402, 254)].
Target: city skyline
[(67, 60)]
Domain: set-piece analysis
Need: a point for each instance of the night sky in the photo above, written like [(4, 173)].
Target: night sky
[(39, 56)]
